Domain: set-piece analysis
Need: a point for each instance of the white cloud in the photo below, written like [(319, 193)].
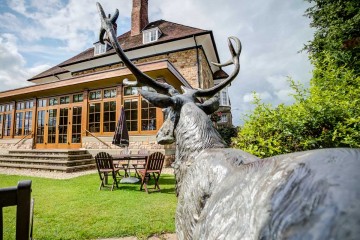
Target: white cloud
[(13, 72), (76, 23), (285, 95), (249, 97)]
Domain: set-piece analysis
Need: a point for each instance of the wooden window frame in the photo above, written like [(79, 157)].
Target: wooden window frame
[(23, 108), (8, 110), (102, 101), (158, 116)]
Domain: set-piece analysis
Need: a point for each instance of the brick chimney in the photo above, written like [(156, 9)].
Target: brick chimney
[(139, 16)]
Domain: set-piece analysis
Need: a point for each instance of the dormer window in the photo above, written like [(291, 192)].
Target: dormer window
[(99, 48), (151, 35)]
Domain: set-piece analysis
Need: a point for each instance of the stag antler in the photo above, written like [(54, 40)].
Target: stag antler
[(235, 53), (107, 27)]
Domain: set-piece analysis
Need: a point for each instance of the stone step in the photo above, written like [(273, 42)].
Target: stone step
[(50, 168), (48, 151), (62, 157), (47, 162)]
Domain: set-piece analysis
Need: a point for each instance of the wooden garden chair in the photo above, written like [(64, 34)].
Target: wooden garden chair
[(153, 166), (106, 168), (19, 196)]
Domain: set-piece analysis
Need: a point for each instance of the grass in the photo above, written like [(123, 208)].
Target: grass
[(76, 209)]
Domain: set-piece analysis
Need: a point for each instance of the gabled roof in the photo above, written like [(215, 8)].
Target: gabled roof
[(220, 74), (170, 32)]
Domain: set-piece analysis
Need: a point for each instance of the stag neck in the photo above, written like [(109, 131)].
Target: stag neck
[(195, 132)]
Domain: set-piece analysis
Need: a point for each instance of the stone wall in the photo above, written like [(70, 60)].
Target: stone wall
[(13, 143), (185, 62), (206, 76)]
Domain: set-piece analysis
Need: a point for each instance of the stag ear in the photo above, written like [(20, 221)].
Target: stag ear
[(157, 99), (210, 105)]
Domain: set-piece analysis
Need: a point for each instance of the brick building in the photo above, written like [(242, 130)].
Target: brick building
[(76, 104)]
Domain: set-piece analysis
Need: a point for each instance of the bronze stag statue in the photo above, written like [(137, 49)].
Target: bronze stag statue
[(226, 193)]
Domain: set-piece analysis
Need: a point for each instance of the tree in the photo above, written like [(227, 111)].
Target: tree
[(328, 113), (337, 24)]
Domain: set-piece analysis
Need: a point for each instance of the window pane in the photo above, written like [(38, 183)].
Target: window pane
[(53, 101), (112, 127), (7, 125), (40, 126), (52, 126), (18, 124), (109, 116), (144, 113), (152, 112), (41, 102), (111, 93), (106, 106), (134, 104), (64, 100), (94, 117), (131, 112), (127, 104), (134, 114), (77, 98), (130, 91), (28, 123), (113, 106), (148, 116), (95, 95), (76, 125), (133, 126)]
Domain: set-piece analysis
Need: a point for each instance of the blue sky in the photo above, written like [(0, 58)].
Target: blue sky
[(38, 34)]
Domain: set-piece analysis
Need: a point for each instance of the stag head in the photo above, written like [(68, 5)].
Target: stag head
[(166, 96)]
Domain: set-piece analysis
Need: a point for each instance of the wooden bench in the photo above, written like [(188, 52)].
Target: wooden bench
[(19, 196)]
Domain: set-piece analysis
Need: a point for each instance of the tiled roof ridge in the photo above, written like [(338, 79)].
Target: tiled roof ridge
[(179, 24)]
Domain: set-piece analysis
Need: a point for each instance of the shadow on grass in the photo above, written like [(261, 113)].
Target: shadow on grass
[(133, 187), (166, 182)]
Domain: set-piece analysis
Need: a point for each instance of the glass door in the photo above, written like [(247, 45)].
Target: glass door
[(58, 123)]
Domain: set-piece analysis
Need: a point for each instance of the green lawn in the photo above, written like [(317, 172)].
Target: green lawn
[(76, 209)]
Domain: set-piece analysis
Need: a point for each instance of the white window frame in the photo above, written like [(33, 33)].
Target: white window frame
[(223, 118), (224, 97), (151, 35), (99, 48)]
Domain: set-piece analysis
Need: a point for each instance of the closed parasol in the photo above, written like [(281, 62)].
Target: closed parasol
[(121, 136)]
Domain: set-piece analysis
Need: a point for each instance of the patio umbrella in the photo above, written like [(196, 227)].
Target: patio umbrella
[(121, 139), (121, 136)]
